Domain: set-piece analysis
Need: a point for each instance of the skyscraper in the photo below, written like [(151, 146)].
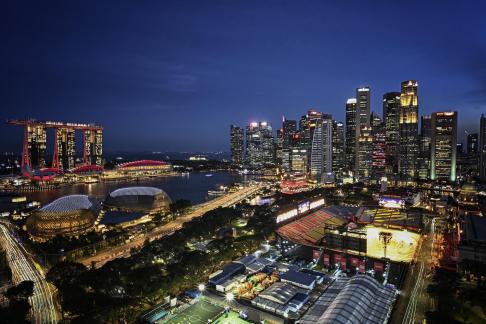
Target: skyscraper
[(338, 154), (237, 145), (472, 143), (378, 157), (408, 129), (259, 145), (391, 118), (93, 147), (423, 159), (37, 143), (279, 142), (318, 132), (66, 148), (350, 145), (364, 154), (443, 146), (482, 148), (363, 96), (289, 127)]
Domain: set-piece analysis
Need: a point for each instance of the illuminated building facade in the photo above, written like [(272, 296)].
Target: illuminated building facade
[(363, 124), (298, 161), (37, 144), (289, 127), (315, 130), (378, 157), (237, 145), (364, 156), (482, 148), (66, 148), (423, 159), (472, 143), (408, 129), (338, 154), (351, 109), (64, 157), (443, 146), (93, 147), (279, 146), (259, 145), (391, 117)]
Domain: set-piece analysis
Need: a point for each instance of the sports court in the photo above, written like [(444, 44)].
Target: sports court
[(199, 313), (230, 318)]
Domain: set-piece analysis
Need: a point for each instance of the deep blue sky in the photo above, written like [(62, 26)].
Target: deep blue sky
[(172, 75)]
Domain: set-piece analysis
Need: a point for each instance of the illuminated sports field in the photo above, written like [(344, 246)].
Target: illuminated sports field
[(401, 247), (230, 318), (199, 313)]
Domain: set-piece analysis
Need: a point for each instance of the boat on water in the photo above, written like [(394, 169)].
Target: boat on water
[(216, 192), (209, 175)]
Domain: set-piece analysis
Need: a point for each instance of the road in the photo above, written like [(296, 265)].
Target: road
[(43, 308), (161, 231), (415, 299)]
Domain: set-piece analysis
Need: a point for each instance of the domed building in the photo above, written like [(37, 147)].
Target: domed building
[(138, 199), (69, 215)]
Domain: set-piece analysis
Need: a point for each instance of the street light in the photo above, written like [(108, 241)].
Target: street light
[(201, 287), (230, 296)]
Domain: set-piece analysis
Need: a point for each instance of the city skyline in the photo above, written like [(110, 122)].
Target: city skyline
[(207, 66)]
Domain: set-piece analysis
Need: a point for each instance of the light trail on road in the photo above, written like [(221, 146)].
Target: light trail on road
[(43, 309), (164, 230)]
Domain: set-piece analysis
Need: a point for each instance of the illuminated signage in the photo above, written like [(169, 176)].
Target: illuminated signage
[(303, 207), (388, 202)]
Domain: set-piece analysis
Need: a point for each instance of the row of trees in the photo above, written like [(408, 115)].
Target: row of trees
[(18, 304), (123, 287)]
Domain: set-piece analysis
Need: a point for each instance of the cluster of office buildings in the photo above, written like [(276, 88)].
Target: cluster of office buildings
[(400, 146)]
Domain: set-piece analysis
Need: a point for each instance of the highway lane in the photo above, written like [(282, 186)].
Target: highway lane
[(43, 307), (161, 231), (420, 301)]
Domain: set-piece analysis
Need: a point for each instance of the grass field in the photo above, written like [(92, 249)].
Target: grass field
[(232, 318), (198, 313)]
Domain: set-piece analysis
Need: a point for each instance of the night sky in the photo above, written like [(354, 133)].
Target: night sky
[(173, 75)]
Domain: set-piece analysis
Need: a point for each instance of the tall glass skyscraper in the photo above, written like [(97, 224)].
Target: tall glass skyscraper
[(391, 118), (363, 96), (338, 154), (350, 145), (237, 145), (443, 151), (408, 129), (259, 145)]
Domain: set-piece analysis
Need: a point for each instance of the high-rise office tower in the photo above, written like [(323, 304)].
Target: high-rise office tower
[(259, 145), (93, 147), (37, 143), (472, 143), (350, 146), (319, 128), (443, 146), (482, 148), (423, 159), (338, 154), (364, 154), (279, 145), (408, 129), (298, 161), (237, 140), (391, 118), (459, 148), (289, 127), (66, 148), (378, 157), (363, 96)]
